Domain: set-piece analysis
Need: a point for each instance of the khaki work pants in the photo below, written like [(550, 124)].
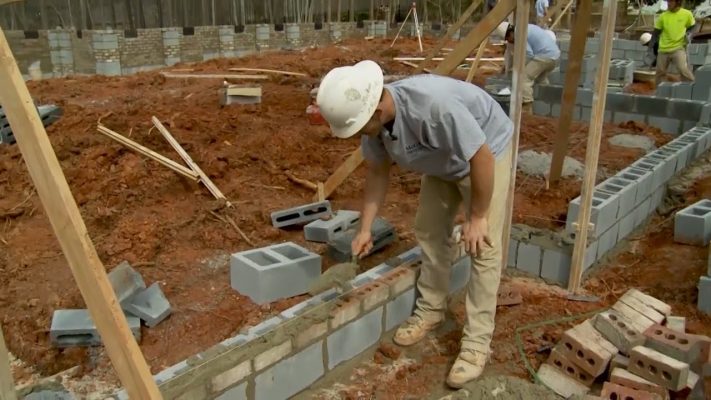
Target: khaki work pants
[(537, 70), (678, 57), (439, 203)]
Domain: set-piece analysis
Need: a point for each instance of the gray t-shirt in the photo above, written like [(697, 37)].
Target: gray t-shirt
[(440, 123)]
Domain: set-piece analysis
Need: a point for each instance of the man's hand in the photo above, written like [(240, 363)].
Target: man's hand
[(475, 235), (362, 244)]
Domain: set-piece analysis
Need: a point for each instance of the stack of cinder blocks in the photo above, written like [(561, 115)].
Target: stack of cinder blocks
[(692, 226), (76, 327), (636, 348), (47, 113), (240, 94)]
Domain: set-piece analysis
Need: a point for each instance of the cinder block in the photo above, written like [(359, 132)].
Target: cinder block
[(340, 248), (615, 391), (642, 180), (684, 152), (685, 109), (669, 157), (607, 241), (625, 190), (604, 212), (76, 328), (126, 282), (541, 108), (621, 102), (274, 272), (238, 392), (627, 224), (586, 347), (664, 89), (621, 376), (681, 90), (564, 365), (667, 125), (513, 251), (704, 300), (658, 368), (652, 105), (150, 305), (677, 345), (290, 376), (642, 212), (325, 231), (264, 326), (560, 383), (700, 91), (619, 117), (556, 266), (618, 330), (692, 225), (555, 110), (301, 214), (354, 338), (528, 258), (399, 309)]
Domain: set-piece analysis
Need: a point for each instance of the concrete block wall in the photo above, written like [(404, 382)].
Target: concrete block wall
[(699, 90), (61, 54), (29, 50), (285, 354), (142, 52), (671, 115)]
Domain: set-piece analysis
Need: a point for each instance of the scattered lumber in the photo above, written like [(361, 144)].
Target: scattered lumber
[(270, 71), (413, 65), (213, 76), (186, 172), (342, 172), (303, 182), (470, 59)]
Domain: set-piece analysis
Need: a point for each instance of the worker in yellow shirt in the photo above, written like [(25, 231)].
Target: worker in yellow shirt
[(674, 29)]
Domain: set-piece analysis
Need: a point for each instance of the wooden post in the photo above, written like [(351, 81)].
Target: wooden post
[(475, 63), (570, 90), (341, 173), (63, 214), (7, 384), (441, 42), (516, 103), (565, 10), (477, 35), (593, 148)]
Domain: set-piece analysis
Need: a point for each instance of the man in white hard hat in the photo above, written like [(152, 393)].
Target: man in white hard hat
[(674, 29), (541, 11), (542, 54), (652, 48), (459, 138)]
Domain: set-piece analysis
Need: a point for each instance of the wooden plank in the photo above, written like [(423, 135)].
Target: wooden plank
[(457, 25), (213, 76), (342, 172), (477, 35), (475, 63), (188, 160), (270, 71), (553, 11), (186, 172), (557, 21), (593, 145), (236, 90), (570, 89), (7, 384), (409, 64), (401, 59), (515, 110), (70, 230)]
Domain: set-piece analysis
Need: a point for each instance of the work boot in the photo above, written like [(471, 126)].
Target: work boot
[(413, 330), (527, 108), (468, 366)]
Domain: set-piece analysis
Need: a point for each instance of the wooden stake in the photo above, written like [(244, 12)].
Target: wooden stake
[(342, 172), (570, 90), (477, 35), (516, 103), (562, 13), (593, 147), (441, 42), (71, 232), (7, 384), (213, 76), (475, 63), (552, 11), (320, 192), (188, 160), (186, 172), (270, 71)]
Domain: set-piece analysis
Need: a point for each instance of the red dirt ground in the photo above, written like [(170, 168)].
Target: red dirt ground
[(139, 211)]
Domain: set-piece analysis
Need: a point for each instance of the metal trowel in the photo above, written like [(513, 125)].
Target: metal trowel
[(338, 277)]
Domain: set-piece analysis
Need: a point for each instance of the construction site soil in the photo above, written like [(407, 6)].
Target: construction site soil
[(164, 225)]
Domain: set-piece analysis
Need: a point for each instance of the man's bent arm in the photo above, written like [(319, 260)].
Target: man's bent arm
[(376, 185), (482, 181)]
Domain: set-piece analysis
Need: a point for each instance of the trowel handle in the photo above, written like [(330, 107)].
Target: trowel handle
[(456, 234)]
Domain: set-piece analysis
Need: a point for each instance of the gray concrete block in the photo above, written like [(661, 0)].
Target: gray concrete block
[(126, 282), (605, 206), (171, 372), (664, 89), (652, 105), (657, 198), (399, 309), (301, 214), (607, 240), (624, 189), (556, 265), (641, 178), (705, 117), (238, 392), (325, 231), (685, 153), (513, 250), (584, 97), (290, 376), (667, 125), (150, 305), (624, 117), (340, 248), (684, 109), (264, 326), (460, 273), (662, 167), (626, 225), (671, 155), (704, 300), (641, 213), (700, 91), (585, 113), (541, 108), (618, 53), (702, 136), (108, 68), (355, 337), (528, 258), (555, 110), (621, 102), (72, 328), (692, 225), (274, 272), (681, 90)]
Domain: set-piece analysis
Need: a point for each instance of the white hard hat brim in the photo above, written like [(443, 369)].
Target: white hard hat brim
[(371, 73)]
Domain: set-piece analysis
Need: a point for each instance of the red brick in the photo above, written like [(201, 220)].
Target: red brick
[(659, 368), (561, 362), (612, 391), (373, 294), (585, 347), (344, 310), (399, 279), (508, 297), (625, 378), (672, 343)]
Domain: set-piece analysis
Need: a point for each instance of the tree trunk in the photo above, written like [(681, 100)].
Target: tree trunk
[(351, 11), (129, 14), (241, 12), (339, 10), (141, 15), (328, 11), (82, 13)]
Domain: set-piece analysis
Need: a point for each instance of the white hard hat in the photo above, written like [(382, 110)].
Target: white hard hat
[(348, 96), (645, 38), (501, 30), (664, 6), (551, 34)]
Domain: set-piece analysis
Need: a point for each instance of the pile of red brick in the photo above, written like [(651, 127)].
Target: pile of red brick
[(636, 349)]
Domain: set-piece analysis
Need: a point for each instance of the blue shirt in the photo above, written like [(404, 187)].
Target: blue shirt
[(440, 123), (541, 6), (540, 44)]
